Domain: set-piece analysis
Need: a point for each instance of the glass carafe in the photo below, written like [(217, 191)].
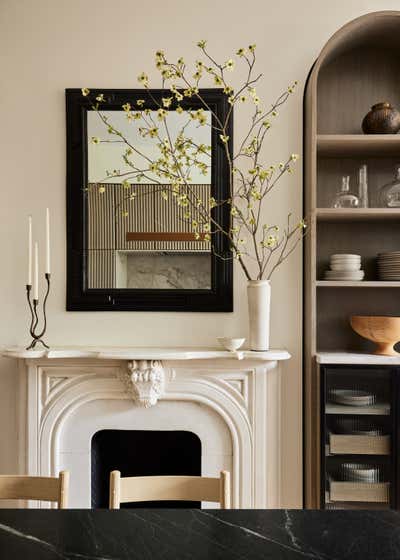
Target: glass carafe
[(389, 195), (344, 198)]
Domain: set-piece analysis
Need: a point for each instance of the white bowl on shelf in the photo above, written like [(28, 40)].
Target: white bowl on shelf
[(231, 344), (345, 256), (346, 266)]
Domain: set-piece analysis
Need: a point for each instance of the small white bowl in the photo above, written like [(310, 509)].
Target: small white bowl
[(231, 344), (339, 256), (346, 266)]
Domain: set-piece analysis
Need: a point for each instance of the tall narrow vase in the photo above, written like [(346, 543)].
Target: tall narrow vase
[(259, 300)]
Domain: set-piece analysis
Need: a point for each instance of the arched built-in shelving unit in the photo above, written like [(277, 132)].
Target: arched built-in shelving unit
[(359, 66)]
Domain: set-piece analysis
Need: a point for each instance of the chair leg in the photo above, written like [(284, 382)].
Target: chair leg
[(115, 489), (225, 490), (64, 489)]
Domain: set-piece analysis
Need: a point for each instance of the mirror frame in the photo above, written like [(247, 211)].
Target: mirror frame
[(79, 298)]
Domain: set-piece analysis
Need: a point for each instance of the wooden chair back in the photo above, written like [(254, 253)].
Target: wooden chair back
[(49, 489), (161, 488)]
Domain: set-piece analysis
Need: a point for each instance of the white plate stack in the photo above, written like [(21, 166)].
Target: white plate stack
[(344, 267), (359, 472), (389, 266)]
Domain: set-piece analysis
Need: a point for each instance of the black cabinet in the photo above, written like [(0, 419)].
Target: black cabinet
[(359, 437)]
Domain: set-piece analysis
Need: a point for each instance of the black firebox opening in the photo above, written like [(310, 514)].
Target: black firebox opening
[(143, 453)]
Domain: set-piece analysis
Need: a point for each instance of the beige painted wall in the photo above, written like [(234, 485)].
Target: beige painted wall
[(49, 45)]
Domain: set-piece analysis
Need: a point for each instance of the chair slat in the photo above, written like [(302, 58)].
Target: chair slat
[(49, 489), (161, 488)]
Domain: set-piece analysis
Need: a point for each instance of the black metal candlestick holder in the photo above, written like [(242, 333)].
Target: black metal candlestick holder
[(34, 309)]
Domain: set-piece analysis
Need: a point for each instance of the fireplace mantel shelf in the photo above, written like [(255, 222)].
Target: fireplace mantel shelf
[(143, 353)]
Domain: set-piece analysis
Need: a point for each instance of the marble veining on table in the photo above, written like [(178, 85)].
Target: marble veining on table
[(199, 534)]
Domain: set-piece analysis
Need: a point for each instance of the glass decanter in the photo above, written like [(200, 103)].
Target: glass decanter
[(389, 195), (344, 198)]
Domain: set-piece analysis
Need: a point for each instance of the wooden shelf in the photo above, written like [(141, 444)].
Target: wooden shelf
[(352, 145), (378, 409), (354, 214), (359, 284)]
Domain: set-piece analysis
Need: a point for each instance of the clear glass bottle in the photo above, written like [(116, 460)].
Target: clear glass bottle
[(344, 198), (389, 195)]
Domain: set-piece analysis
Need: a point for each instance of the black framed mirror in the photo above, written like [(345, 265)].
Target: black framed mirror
[(128, 249)]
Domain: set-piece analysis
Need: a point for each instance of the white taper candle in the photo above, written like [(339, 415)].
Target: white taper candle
[(47, 241), (36, 273), (30, 250)]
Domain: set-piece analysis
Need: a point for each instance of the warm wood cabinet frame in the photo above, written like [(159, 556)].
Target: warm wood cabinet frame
[(336, 98)]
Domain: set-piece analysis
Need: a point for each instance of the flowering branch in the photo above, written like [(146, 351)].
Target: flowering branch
[(252, 242)]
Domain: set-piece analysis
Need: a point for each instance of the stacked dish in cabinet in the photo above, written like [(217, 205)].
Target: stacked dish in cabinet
[(357, 463)]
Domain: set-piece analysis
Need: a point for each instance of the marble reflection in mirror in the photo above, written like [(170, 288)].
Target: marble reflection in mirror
[(135, 238)]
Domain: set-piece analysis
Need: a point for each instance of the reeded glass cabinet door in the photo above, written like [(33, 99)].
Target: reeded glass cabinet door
[(358, 437)]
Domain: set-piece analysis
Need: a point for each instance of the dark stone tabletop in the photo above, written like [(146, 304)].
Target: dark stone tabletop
[(198, 534)]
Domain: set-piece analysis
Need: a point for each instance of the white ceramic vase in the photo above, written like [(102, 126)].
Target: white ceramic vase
[(259, 301)]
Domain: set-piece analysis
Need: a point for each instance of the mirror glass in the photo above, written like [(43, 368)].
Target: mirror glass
[(137, 236)]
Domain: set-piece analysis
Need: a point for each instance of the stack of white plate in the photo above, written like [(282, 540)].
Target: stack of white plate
[(389, 266), (352, 397), (345, 267), (356, 426), (359, 472)]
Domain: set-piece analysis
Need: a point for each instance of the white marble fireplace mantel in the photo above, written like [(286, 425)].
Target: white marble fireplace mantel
[(231, 401), (144, 353)]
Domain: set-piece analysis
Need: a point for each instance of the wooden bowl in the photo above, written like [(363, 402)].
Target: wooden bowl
[(385, 331)]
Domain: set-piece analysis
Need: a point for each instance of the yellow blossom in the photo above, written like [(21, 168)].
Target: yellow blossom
[(230, 64), (85, 91), (102, 190), (95, 140), (143, 79), (100, 97), (241, 52), (201, 44), (252, 48), (140, 102), (126, 106), (166, 101), (224, 138)]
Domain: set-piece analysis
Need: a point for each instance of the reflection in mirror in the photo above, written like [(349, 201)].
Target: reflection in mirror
[(137, 237)]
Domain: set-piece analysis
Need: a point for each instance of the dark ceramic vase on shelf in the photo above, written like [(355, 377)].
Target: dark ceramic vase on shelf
[(383, 118)]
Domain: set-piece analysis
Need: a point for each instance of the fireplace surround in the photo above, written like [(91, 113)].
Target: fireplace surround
[(230, 401)]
